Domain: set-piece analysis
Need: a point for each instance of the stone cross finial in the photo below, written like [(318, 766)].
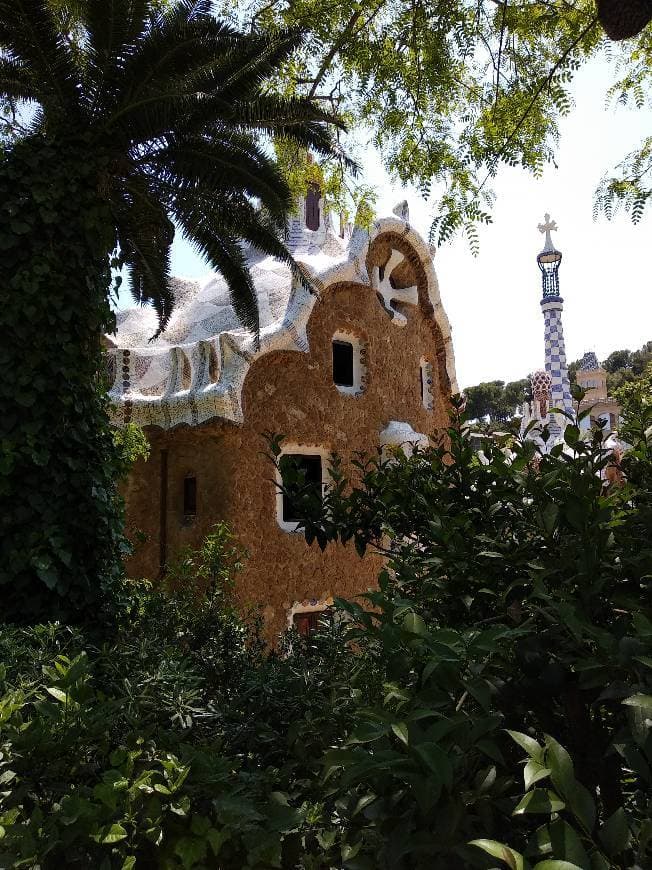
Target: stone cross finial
[(547, 227)]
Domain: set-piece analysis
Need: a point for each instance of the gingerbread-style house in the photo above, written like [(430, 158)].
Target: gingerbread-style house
[(363, 361)]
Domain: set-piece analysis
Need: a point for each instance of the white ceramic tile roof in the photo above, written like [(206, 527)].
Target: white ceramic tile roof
[(195, 369)]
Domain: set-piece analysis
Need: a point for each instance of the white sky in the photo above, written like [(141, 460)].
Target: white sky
[(493, 300)]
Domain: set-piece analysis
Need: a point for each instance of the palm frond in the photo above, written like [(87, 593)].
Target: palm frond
[(113, 29), (145, 234), (15, 81), (223, 165), (255, 61), (29, 32), (224, 254)]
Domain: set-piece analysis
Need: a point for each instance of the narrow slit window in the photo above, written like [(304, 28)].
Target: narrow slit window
[(302, 480), (312, 207), (343, 363), (425, 384), (190, 496)]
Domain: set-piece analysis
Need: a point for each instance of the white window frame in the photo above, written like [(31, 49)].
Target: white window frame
[(359, 367), (298, 450)]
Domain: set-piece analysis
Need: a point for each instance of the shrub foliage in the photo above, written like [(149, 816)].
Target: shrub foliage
[(488, 705)]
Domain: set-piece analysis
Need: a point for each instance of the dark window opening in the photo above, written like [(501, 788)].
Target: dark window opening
[(190, 496), (312, 207), (302, 481), (343, 363), (307, 623)]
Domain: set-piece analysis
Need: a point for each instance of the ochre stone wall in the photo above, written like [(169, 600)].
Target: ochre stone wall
[(293, 394)]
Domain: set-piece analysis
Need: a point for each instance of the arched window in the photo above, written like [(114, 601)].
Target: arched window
[(312, 207)]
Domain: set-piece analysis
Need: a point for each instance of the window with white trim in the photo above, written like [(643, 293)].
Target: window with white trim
[(300, 477), (349, 363)]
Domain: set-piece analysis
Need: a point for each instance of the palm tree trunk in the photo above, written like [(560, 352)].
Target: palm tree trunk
[(60, 523)]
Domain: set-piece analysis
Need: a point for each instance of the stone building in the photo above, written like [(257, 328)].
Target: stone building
[(604, 408), (365, 360)]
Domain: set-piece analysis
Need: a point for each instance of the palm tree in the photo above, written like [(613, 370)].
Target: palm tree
[(135, 117)]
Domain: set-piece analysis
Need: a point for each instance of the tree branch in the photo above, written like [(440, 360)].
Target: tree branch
[(545, 83)]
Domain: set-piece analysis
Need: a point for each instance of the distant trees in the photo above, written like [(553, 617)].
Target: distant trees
[(499, 400), (496, 399)]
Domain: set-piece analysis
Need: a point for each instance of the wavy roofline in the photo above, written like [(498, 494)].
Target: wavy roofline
[(234, 351)]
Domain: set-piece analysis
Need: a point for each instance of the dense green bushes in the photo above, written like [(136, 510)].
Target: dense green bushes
[(513, 620)]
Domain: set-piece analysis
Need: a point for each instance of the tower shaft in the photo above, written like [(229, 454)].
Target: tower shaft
[(556, 365)]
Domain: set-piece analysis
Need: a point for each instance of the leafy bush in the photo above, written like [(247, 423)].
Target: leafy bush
[(514, 614)]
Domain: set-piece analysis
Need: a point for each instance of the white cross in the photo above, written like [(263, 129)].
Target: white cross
[(546, 228), (548, 225)]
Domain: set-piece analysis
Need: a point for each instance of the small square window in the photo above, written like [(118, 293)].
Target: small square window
[(190, 496), (302, 476), (308, 622), (343, 363)]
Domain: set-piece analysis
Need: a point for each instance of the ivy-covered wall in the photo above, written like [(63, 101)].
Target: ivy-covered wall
[(60, 523)]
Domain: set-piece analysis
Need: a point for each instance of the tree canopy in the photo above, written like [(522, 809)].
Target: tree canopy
[(175, 99), (449, 92)]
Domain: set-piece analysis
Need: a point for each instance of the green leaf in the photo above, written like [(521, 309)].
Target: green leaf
[(563, 841), (552, 864), (414, 623), (437, 761), (191, 850), (401, 731), (110, 834), (57, 693), (539, 801), (615, 834), (561, 767), (582, 806), (129, 863), (216, 839), (533, 772), (644, 701), (363, 802), (514, 860), (529, 744)]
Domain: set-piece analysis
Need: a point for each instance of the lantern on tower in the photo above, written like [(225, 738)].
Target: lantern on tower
[(549, 260)]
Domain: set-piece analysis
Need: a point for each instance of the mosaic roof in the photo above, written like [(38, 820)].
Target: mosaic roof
[(589, 362), (194, 370)]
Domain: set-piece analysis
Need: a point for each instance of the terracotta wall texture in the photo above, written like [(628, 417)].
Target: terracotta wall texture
[(293, 394)]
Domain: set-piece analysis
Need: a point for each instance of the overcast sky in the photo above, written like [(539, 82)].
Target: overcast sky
[(493, 300)]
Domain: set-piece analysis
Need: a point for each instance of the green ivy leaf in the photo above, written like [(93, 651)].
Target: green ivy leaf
[(191, 850)]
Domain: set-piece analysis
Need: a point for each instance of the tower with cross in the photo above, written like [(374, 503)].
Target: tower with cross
[(552, 306)]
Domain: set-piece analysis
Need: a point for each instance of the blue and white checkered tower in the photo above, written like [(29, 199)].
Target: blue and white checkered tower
[(552, 306)]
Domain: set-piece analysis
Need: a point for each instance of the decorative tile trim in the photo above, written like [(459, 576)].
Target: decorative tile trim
[(235, 350)]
